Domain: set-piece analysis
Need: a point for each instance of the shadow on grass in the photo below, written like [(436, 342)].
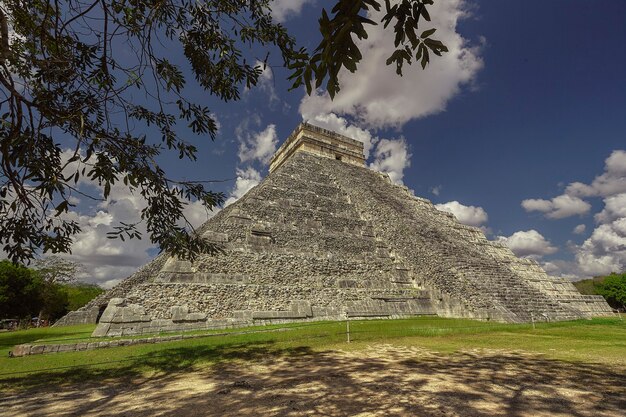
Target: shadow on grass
[(10, 339), (294, 382), (161, 362)]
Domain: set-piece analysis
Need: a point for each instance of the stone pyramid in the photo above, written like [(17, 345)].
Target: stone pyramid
[(322, 238)]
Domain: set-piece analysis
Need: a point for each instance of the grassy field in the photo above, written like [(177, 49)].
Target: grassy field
[(601, 341)]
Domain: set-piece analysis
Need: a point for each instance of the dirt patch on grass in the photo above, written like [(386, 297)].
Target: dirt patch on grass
[(378, 381)]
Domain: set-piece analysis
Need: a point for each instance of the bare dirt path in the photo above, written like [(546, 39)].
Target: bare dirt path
[(379, 381)]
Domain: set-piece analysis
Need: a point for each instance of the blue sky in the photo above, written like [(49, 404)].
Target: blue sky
[(530, 99)]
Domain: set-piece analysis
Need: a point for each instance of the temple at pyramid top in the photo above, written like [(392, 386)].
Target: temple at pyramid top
[(320, 142)]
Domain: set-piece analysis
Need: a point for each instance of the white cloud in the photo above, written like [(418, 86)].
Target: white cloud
[(580, 229), (377, 97), (561, 268), (284, 9), (19, 83), (110, 260), (615, 164), (612, 181), (266, 83), (246, 180), (105, 258), (197, 214), (605, 250), (535, 204), (392, 157), (436, 190), (267, 74), (614, 208), (469, 215), (107, 285), (528, 243), (559, 207), (257, 145)]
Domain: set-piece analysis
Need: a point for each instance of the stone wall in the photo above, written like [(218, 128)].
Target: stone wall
[(90, 313), (480, 278), (319, 239)]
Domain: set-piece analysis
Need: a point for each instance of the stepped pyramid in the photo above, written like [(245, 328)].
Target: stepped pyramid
[(322, 238)]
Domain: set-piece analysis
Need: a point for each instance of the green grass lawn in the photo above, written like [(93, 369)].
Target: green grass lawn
[(591, 341)]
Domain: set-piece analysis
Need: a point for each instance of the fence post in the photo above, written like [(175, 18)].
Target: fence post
[(348, 326), (532, 318)]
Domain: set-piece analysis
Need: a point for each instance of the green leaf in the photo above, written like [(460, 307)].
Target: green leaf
[(425, 58), (62, 207), (427, 33), (419, 53)]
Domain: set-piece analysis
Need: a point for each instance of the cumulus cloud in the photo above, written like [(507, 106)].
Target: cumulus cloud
[(392, 157), (197, 214), (580, 229), (266, 83), (108, 284), (110, 260), (258, 146), (559, 207), (285, 9), (246, 179), (377, 97), (530, 244), (562, 268), (254, 145), (469, 215), (604, 251), (614, 208), (612, 181), (105, 258), (436, 190)]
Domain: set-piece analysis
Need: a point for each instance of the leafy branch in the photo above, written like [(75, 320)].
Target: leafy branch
[(103, 76)]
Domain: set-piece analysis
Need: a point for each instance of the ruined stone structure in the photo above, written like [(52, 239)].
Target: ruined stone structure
[(323, 237)]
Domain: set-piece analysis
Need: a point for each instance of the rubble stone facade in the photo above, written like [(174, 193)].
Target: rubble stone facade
[(321, 239)]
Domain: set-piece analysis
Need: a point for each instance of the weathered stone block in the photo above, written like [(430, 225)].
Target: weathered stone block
[(70, 347), (179, 312), (101, 330), (37, 349), (20, 350), (195, 317), (51, 349), (109, 313), (117, 302)]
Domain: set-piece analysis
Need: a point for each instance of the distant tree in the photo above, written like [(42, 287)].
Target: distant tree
[(54, 302), (21, 291), (613, 288), (79, 294), (55, 269), (25, 294), (100, 74)]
